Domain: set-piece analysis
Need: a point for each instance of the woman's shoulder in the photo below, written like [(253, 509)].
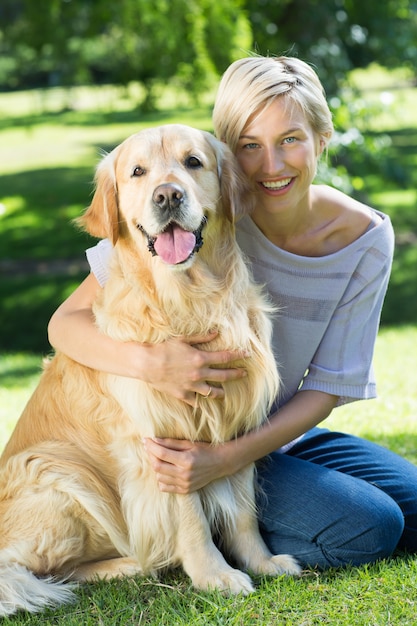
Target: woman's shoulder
[(348, 218)]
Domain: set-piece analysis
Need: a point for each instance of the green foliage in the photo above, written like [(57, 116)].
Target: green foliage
[(337, 35), (55, 42), (63, 43), (374, 158)]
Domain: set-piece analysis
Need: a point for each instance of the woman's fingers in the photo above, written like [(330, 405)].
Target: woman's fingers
[(183, 466)]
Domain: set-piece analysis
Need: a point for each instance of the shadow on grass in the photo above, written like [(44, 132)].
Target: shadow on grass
[(104, 118), (43, 203), (17, 377), (38, 230), (27, 305)]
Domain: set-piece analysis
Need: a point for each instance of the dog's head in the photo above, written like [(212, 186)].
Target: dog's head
[(164, 185)]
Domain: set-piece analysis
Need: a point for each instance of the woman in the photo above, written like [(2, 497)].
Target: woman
[(330, 499)]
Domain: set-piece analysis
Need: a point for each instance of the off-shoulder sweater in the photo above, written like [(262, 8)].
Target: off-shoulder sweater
[(329, 308)]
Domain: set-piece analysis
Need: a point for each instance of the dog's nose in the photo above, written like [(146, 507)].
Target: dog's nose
[(168, 196)]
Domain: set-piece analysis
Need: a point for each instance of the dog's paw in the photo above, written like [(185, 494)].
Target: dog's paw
[(232, 581), (283, 564)]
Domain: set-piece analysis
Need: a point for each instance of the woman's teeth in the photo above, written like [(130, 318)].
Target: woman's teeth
[(278, 184)]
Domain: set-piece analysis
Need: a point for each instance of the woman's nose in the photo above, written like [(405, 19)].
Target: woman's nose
[(273, 160)]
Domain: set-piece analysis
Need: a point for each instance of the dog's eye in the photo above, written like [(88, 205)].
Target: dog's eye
[(138, 171), (193, 162)]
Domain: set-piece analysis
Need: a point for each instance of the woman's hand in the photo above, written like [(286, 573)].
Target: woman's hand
[(178, 368), (183, 466)]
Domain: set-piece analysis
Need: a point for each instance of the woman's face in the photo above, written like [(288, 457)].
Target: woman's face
[(278, 151)]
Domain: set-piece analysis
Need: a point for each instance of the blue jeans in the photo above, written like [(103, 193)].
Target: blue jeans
[(335, 499)]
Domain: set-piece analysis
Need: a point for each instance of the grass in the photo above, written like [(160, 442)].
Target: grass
[(47, 156), (311, 601)]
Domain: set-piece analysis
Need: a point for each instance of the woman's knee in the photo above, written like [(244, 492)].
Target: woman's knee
[(366, 532), (370, 535)]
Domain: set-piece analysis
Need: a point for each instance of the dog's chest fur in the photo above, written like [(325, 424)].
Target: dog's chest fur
[(140, 308)]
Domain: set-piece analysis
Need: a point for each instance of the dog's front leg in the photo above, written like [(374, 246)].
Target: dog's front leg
[(200, 558), (244, 541)]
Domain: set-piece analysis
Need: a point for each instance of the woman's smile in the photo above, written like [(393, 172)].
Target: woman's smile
[(275, 186)]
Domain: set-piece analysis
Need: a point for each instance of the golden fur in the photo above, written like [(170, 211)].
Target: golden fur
[(78, 498)]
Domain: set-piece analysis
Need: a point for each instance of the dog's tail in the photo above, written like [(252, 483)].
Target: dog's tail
[(21, 590)]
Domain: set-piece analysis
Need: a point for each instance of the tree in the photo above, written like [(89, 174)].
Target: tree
[(44, 40), (70, 41), (337, 35)]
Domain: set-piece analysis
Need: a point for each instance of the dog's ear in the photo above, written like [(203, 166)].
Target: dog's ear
[(101, 218), (237, 192)]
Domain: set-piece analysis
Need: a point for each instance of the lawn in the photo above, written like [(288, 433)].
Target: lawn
[(48, 152)]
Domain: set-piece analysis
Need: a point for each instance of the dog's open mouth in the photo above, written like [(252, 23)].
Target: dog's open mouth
[(175, 245)]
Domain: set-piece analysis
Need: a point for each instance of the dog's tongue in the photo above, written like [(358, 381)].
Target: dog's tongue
[(175, 245)]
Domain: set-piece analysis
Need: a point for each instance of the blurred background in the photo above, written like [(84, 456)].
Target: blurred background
[(78, 76)]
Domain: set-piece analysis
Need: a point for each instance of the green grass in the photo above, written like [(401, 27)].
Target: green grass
[(367, 596), (48, 152)]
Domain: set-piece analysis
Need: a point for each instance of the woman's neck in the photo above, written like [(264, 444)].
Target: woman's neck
[(327, 222)]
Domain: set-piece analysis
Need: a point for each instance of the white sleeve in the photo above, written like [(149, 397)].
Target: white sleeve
[(98, 258)]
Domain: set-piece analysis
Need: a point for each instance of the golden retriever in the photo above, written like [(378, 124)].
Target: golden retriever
[(78, 498)]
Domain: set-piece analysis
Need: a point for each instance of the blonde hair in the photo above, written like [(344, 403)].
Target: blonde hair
[(250, 84)]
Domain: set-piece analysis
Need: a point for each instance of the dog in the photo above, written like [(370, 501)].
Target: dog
[(78, 497)]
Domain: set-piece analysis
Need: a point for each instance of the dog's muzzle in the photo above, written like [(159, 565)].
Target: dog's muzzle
[(175, 245)]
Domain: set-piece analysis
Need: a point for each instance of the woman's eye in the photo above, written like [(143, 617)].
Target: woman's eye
[(250, 146), (288, 140), (138, 171), (193, 162)]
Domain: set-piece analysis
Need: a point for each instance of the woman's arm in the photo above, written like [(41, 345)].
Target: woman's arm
[(183, 466), (72, 330)]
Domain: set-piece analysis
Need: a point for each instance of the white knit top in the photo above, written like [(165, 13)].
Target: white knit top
[(329, 308)]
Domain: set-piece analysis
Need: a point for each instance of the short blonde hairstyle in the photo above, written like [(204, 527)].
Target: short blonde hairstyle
[(250, 84)]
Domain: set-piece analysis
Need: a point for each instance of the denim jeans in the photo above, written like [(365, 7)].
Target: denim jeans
[(335, 499)]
